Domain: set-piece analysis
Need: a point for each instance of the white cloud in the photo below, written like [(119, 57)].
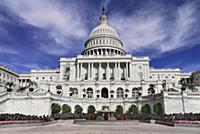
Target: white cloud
[(28, 65), (182, 29), (53, 49), (61, 21), (138, 32), (7, 50), (147, 28)]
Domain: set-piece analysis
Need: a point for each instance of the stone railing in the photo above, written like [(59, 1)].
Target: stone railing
[(189, 94), (193, 94), (3, 96)]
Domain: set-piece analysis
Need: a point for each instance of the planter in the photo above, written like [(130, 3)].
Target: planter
[(121, 117), (31, 89), (9, 90), (58, 92), (90, 116)]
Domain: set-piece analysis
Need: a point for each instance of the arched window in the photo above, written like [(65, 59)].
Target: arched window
[(151, 89), (90, 93), (120, 93), (73, 92), (104, 93), (135, 92)]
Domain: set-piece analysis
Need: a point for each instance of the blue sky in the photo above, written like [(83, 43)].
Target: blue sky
[(34, 34)]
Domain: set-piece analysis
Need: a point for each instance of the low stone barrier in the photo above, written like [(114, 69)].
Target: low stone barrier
[(165, 123), (21, 122), (107, 122)]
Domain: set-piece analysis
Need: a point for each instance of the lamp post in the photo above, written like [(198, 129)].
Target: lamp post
[(164, 83), (183, 103), (138, 101), (142, 83), (182, 82)]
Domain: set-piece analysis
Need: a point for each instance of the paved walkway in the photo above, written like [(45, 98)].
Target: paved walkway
[(66, 127)]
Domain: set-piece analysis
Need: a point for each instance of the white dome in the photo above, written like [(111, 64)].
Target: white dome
[(103, 40), (103, 30)]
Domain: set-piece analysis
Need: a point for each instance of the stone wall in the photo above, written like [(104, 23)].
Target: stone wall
[(177, 102), (40, 103)]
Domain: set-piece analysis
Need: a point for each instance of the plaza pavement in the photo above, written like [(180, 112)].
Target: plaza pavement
[(66, 127)]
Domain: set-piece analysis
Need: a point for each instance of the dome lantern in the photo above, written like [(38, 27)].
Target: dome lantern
[(103, 17)]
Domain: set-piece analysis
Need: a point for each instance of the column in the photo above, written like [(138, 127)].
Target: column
[(88, 71), (78, 73), (100, 72), (131, 71), (107, 74), (128, 69), (26, 82), (92, 72), (135, 72), (81, 64), (115, 71), (118, 71), (97, 51), (126, 76)]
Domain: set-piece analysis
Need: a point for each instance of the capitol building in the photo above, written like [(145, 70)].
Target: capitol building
[(103, 75)]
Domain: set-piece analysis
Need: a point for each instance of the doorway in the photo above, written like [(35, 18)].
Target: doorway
[(104, 93)]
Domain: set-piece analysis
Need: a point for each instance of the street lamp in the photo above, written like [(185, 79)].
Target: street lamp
[(164, 84), (138, 101), (141, 82), (182, 90)]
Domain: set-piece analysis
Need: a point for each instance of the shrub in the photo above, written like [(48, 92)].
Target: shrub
[(119, 109), (121, 116), (15, 117), (91, 109), (180, 116), (66, 116), (55, 108), (78, 109), (157, 108), (146, 109), (66, 108), (133, 110), (90, 116), (79, 116)]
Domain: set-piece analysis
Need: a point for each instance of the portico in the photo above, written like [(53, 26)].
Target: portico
[(103, 70)]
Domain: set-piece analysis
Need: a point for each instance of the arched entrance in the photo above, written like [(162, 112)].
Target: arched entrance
[(104, 93)]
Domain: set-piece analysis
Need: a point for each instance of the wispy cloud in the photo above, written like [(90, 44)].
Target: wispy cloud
[(29, 65), (50, 49), (152, 28), (7, 50), (184, 26), (62, 22)]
